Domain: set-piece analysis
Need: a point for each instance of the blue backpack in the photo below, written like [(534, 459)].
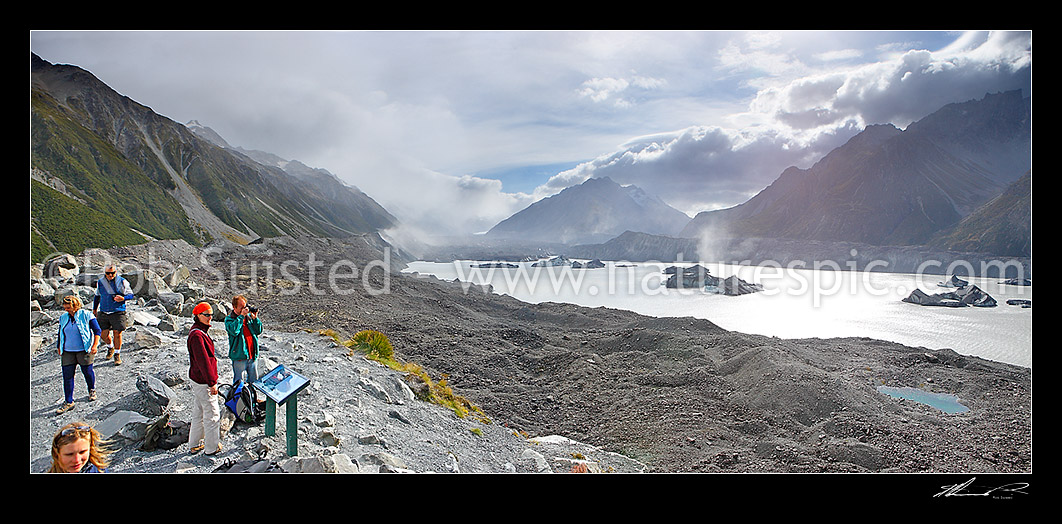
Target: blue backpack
[(242, 400)]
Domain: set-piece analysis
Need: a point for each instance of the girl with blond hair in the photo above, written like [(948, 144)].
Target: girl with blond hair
[(78, 448), (79, 337)]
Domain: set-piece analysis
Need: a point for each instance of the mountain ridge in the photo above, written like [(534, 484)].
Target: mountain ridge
[(888, 186), (147, 172), (593, 211)]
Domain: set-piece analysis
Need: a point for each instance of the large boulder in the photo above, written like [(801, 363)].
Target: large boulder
[(62, 266), (141, 317), (157, 395), (41, 318), (85, 293), (146, 339), (190, 291), (97, 258), (177, 276), (145, 283), (41, 291), (220, 308), (171, 302), (123, 425), (88, 278)]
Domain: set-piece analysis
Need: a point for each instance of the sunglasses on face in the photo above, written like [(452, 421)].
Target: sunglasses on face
[(108, 272)]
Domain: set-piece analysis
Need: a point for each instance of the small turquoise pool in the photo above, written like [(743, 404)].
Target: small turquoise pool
[(942, 401)]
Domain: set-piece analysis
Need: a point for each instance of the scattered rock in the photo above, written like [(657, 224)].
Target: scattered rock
[(145, 339), (157, 394), (124, 425), (657, 388)]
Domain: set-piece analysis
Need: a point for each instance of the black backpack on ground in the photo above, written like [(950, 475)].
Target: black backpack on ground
[(242, 399)]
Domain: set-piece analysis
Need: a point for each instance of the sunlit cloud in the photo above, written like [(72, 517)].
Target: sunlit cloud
[(801, 113)]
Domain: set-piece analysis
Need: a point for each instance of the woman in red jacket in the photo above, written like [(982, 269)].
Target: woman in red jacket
[(205, 430)]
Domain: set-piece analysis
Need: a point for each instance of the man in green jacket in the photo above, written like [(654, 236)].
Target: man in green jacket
[(243, 327)]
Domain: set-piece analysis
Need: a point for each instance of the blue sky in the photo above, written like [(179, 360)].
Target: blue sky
[(454, 131)]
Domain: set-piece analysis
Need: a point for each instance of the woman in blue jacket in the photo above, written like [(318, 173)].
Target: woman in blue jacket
[(79, 338)]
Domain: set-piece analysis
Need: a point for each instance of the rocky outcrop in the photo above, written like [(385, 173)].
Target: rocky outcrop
[(355, 417)]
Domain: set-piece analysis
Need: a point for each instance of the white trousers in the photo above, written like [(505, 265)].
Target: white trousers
[(206, 418)]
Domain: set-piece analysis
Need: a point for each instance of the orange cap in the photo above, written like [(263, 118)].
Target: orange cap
[(201, 307)]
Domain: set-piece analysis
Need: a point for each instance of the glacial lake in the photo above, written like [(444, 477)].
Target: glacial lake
[(947, 403), (795, 302)]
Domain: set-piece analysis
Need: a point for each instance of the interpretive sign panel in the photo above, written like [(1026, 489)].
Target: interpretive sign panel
[(281, 383)]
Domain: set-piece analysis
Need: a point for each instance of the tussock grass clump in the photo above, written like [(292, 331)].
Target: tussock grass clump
[(377, 347)]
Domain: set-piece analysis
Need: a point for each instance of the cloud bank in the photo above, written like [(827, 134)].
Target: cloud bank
[(702, 119), (801, 112)]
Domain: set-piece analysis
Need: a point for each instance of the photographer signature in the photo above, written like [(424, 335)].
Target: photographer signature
[(956, 490)]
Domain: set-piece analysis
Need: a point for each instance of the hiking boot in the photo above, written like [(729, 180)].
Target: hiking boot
[(117, 359), (110, 353), (67, 406), (92, 394), (215, 452), (196, 449)]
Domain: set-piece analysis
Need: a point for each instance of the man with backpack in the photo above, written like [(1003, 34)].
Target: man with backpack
[(108, 306)]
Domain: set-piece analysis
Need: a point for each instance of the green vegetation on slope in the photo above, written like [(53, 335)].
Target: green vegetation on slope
[(69, 226), (106, 180)]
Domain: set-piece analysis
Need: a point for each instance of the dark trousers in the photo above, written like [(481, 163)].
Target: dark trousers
[(69, 371)]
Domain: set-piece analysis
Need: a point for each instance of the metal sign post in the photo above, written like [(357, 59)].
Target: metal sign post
[(281, 386)]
